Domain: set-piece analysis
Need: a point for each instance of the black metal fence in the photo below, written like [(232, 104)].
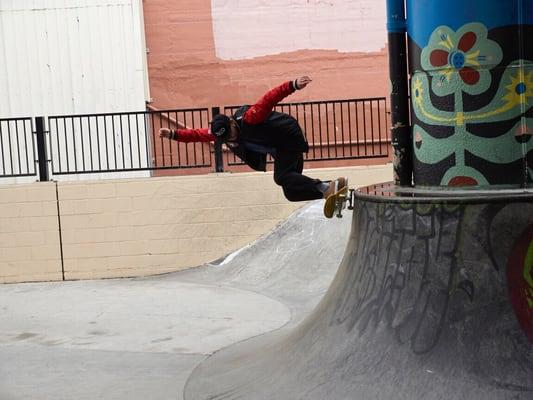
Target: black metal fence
[(17, 147), (122, 142), (128, 142), (338, 129)]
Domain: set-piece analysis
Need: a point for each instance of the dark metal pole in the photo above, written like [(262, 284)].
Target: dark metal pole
[(399, 97), (42, 155), (219, 162)]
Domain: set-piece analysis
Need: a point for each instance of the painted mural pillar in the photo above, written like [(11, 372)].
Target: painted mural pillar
[(471, 66), (399, 96)]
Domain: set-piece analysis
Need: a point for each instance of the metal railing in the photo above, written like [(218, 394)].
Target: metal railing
[(129, 141), (120, 142), (337, 129), (17, 147)]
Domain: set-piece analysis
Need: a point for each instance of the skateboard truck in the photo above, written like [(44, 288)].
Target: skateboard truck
[(336, 202), (340, 203), (350, 199)]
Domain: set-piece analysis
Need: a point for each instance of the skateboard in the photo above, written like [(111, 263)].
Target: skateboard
[(336, 202)]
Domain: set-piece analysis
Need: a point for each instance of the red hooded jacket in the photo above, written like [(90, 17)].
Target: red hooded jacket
[(256, 114)]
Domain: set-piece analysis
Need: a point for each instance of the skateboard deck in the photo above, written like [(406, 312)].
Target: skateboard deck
[(336, 202)]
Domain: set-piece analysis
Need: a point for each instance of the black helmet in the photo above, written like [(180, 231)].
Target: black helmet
[(220, 126)]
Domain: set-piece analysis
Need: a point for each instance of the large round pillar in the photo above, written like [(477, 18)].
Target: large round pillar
[(471, 66)]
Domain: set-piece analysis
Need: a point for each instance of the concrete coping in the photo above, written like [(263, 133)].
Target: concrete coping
[(389, 192)]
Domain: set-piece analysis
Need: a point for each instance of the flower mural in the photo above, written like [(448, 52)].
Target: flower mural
[(460, 60), (455, 63), (519, 90)]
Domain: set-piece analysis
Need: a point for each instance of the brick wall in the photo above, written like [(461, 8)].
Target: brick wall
[(126, 228), (214, 53), (141, 226)]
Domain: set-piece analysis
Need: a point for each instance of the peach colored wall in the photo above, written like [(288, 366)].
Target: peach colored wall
[(184, 69)]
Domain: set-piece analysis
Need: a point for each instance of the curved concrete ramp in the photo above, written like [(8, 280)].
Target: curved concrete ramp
[(294, 264), (431, 301)]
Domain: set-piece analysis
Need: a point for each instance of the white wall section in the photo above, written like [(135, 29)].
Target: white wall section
[(70, 57), (64, 57), (251, 28)]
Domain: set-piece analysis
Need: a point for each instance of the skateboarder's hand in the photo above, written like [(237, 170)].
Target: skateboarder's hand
[(164, 133), (303, 81)]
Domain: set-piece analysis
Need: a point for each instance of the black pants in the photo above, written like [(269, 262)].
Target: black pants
[(288, 167)]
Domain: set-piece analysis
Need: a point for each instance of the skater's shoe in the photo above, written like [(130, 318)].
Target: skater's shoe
[(335, 186), (343, 182), (331, 195)]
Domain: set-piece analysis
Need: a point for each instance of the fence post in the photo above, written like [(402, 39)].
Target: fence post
[(219, 162), (42, 156)]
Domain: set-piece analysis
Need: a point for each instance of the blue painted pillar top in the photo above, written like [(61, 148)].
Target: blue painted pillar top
[(396, 16), (424, 16)]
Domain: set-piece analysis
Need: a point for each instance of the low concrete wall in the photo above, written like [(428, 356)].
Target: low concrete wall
[(142, 226), (29, 233)]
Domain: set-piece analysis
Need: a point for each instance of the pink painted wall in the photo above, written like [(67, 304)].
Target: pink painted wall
[(185, 37)]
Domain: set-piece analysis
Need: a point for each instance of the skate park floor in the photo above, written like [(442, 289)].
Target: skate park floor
[(141, 338)]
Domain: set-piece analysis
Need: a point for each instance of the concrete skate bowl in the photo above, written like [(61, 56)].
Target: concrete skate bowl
[(294, 264), (432, 300)]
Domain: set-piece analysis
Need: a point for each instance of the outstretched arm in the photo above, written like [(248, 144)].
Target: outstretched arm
[(259, 112), (187, 135)]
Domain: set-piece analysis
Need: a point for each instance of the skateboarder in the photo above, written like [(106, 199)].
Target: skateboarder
[(255, 131)]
